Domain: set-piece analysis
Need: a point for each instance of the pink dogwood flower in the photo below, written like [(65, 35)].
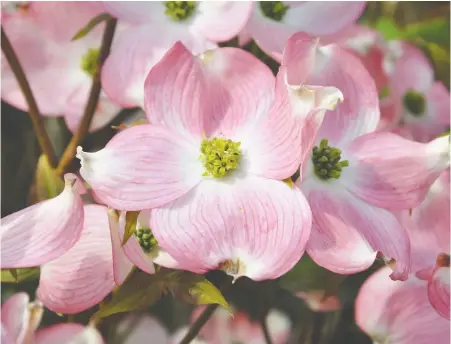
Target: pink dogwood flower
[(418, 102), (210, 162), (273, 22), (428, 226), (398, 312), (319, 300), (137, 328), (59, 70), (21, 318), (44, 231), (353, 173), (156, 26)]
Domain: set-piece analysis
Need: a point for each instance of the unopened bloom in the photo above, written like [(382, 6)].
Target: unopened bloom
[(58, 70), (156, 26), (273, 22), (428, 226), (354, 173), (398, 312), (210, 162), (44, 231), (21, 318)]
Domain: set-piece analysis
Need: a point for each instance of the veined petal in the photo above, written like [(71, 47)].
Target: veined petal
[(69, 334), (211, 94), (347, 233), (20, 318), (136, 12), (323, 18), (329, 66), (398, 311), (438, 291), (392, 172), (44, 231), (248, 227), (83, 276), (136, 328), (134, 53), (222, 20), (122, 266), (142, 167)]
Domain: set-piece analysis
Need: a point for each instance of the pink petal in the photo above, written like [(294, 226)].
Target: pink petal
[(83, 276), (394, 173), (20, 318), (139, 329), (331, 65), (42, 232), (62, 20), (69, 334), (347, 233), (323, 18), (122, 266), (135, 52), (438, 291), (212, 94), (318, 301), (438, 99), (399, 311), (132, 249), (279, 326), (222, 20), (258, 225), (136, 12), (412, 70), (142, 167)]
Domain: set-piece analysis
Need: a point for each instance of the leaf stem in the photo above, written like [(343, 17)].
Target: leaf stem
[(33, 110), (199, 323), (93, 99)]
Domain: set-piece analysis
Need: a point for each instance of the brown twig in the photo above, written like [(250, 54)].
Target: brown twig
[(93, 99), (199, 323), (35, 115)]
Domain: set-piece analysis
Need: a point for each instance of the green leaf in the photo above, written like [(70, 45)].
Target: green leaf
[(48, 182), (91, 25), (388, 28), (139, 291), (19, 275), (131, 218), (195, 289), (306, 275), (432, 31)]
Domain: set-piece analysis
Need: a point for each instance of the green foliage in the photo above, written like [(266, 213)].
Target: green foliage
[(141, 290), (91, 25), (48, 182), (19, 275)]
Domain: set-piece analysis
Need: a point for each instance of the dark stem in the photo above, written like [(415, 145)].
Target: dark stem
[(199, 323), (266, 332), (35, 115), (93, 99)]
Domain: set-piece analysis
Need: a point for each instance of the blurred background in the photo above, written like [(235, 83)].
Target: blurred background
[(424, 24)]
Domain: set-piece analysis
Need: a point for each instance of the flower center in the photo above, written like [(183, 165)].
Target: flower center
[(146, 239), (274, 10), (180, 10), (443, 260), (415, 102), (220, 156), (90, 61), (327, 161)]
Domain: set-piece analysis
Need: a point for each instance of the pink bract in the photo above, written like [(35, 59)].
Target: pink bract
[(41, 37), (398, 311)]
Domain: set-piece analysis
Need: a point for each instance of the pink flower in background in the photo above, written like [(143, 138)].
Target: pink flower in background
[(209, 164), (59, 70), (273, 22), (137, 328), (21, 318), (157, 25), (354, 173), (398, 312), (428, 226), (418, 102), (141, 249), (42, 232), (319, 300)]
